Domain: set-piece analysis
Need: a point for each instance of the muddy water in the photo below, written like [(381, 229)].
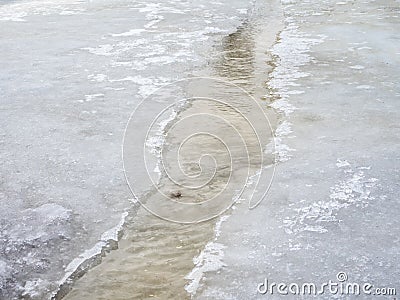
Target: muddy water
[(155, 255)]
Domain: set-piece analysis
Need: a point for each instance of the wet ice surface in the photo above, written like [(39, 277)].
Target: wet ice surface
[(71, 74), (154, 256), (334, 204)]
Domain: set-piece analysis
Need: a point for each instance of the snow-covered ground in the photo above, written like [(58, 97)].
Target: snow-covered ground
[(334, 203)]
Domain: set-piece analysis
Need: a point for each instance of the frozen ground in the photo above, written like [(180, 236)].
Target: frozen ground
[(71, 72), (334, 203)]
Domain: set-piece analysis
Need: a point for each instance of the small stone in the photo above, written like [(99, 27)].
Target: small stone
[(176, 194)]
